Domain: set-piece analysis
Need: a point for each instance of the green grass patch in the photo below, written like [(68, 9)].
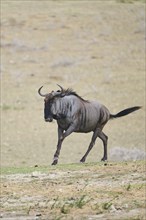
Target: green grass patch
[(69, 167), (46, 169), (22, 170)]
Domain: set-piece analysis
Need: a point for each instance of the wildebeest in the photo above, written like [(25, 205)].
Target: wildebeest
[(74, 114)]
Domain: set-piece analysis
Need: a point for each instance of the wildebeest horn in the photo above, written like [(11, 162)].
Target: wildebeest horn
[(60, 87), (39, 91)]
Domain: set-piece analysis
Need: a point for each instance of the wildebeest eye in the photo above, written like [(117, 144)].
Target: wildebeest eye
[(58, 91)]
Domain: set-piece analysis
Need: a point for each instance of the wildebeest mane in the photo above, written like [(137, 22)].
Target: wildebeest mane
[(70, 91)]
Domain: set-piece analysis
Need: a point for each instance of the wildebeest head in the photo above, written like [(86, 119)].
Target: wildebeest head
[(48, 102)]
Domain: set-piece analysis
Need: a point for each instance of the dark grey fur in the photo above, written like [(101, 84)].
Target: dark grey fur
[(74, 114)]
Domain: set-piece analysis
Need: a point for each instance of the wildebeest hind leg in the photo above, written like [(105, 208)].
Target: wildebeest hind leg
[(95, 135), (104, 138)]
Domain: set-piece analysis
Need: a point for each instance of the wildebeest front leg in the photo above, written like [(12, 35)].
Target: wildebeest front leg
[(61, 136), (60, 140)]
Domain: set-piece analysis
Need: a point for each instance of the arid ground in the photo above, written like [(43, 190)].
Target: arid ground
[(98, 49), (75, 192)]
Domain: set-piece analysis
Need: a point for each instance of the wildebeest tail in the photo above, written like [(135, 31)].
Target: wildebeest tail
[(125, 112)]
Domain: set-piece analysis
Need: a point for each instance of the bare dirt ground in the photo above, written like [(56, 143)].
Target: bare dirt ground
[(90, 191), (98, 49)]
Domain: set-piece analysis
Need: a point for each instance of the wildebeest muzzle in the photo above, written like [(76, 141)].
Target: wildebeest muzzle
[(48, 119)]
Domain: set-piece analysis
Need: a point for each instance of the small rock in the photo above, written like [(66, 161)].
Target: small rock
[(36, 165), (113, 209), (105, 164), (35, 174), (126, 206), (38, 214)]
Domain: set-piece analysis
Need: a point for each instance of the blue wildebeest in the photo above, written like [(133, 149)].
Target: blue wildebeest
[(74, 114)]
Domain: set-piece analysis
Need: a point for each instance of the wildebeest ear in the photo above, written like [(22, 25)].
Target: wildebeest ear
[(57, 93), (60, 87), (62, 91), (62, 94)]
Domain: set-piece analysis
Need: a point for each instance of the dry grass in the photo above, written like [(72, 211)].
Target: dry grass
[(95, 47), (94, 191)]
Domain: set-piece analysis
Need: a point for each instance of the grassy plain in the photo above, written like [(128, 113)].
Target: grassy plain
[(98, 49)]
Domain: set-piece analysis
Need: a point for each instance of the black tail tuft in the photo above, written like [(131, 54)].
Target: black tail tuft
[(125, 112)]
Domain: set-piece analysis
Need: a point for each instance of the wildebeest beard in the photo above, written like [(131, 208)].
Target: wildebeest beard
[(50, 111), (48, 116)]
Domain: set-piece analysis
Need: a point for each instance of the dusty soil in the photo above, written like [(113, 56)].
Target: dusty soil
[(89, 191)]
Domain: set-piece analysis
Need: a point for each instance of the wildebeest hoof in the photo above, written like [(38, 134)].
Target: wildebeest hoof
[(82, 160), (55, 162), (104, 159)]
